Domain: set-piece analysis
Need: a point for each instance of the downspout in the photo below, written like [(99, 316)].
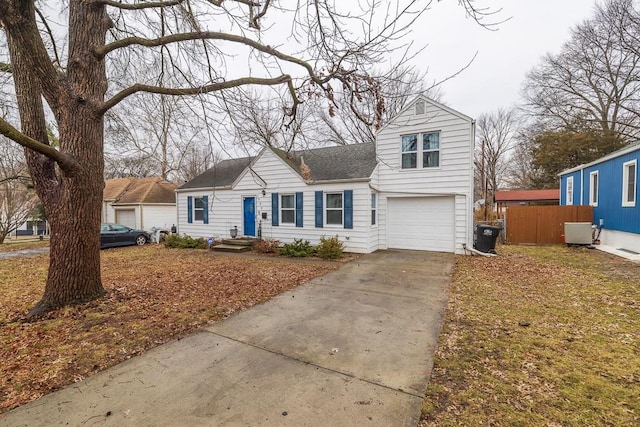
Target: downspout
[(469, 197)]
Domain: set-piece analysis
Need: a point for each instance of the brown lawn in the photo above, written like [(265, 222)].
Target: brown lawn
[(154, 295), (539, 336)]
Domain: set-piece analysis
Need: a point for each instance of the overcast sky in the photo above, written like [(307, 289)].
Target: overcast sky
[(495, 78)]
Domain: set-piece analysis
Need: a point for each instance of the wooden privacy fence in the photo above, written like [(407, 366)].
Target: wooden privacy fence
[(542, 224)]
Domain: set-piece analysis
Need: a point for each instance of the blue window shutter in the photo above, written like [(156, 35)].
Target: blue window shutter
[(189, 209), (319, 196), (274, 209), (205, 209), (299, 209), (348, 208)]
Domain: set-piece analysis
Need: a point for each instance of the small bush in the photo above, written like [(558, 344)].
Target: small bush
[(267, 246), (184, 242), (330, 248), (299, 248)]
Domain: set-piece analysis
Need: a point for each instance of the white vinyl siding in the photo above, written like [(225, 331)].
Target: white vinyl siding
[(226, 206), (452, 181), (452, 178), (629, 182)]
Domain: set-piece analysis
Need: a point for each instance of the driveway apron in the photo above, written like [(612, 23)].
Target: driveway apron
[(354, 347)]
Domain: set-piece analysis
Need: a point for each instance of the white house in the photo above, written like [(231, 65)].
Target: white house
[(412, 189), (141, 203)]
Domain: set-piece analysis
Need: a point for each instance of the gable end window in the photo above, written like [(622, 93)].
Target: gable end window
[(569, 192), (425, 154), (593, 188), (629, 183)]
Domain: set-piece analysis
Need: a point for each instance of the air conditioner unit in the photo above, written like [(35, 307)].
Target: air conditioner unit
[(577, 233)]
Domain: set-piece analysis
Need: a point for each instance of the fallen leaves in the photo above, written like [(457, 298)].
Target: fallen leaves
[(539, 336), (154, 295)]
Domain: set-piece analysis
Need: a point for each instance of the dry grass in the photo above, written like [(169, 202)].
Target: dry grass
[(540, 336), (17, 245), (154, 295)]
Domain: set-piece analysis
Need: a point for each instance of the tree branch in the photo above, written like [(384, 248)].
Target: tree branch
[(140, 6), (67, 163), (101, 52), (6, 67), (213, 87)]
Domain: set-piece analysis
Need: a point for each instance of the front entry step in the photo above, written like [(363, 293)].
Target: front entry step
[(230, 248), (240, 241)]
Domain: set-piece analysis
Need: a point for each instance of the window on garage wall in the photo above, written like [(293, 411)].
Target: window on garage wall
[(420, 150)]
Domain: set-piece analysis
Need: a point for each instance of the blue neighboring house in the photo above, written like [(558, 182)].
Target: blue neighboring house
[(610, 185)]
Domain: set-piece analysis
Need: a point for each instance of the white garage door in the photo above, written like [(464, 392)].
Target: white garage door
[(126, 217), (421, 223)]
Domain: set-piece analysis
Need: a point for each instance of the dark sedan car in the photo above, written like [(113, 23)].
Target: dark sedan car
[(121, 235)]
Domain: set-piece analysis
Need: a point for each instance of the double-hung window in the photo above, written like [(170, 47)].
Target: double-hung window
[(409, 151), (431, 150), (593, 188), (334, 209), (629, 182), (198, 209), (288, 209), (374, 208), (569, 192), (421, 150)]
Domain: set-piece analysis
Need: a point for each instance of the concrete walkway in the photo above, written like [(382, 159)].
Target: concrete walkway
[(354, 347), (23, 253)]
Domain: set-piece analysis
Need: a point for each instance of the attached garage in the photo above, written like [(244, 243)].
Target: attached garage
[(421, 223), (126, 217)]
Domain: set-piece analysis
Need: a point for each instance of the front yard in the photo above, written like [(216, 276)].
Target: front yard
[(539, 336), (543, 336), (154, 295)]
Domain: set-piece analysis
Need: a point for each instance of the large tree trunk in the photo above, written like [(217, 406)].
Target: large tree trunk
[(72, 196)]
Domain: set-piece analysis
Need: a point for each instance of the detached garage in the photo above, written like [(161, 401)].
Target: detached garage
[(126, 217), (421, 223)]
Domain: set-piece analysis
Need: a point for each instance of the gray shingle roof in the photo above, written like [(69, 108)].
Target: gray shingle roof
[(221, 175), (355, 161), (339, 162)]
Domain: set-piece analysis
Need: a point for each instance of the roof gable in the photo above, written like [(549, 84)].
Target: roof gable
[(430, 101), (223, 174), (151, 190)]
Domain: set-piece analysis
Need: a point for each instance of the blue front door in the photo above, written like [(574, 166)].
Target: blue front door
[(249, 215)]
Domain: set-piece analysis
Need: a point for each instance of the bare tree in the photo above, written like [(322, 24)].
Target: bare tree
[(17, 200), (495, 133), (157, 131), (399, 85), (593, 82), (107, 44)]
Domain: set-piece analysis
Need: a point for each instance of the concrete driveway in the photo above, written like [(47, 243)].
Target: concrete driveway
[(354, 347)]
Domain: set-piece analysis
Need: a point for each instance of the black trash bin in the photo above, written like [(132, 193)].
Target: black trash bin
[(486, 236)]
